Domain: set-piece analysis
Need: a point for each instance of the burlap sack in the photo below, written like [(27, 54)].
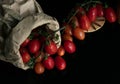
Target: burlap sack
[(19, 18)]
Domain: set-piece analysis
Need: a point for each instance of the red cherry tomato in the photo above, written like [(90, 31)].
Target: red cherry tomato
[(84, 22), (51, 48), (100, 10), (60, 63), (69, 46), (25, 55), (34, 46), (48, 63), (92, 13), (25, 43), (110, 14), (80, 11)]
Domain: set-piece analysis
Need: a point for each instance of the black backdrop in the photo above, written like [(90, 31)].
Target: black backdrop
[(95, 61)]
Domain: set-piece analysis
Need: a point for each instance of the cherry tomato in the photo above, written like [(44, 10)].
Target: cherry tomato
[(74, 22), (61, 51), (48, 63), (25, 55), (67, 37), (110, 14), (84, 22), (60, 63), (34, 46), (92, 13), (39, 56), (51, 48), (100, 10), (25, 43), (79, 33), (42, 39), (39, 68), (69, 46), (80, 11), (35, 32), (68, 29)]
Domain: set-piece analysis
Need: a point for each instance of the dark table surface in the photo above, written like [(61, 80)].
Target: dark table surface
[(95, 61)]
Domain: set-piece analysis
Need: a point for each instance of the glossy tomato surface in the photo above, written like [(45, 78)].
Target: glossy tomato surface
[(49, 63), (69, 46), (92, 13), (110, 14), (39, 68), (60, 63), (34, 46), (25, 55), (51, 48), (79, 33)]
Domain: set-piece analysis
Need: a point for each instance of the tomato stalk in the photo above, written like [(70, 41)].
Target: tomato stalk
[(51, 34), (31, 63), (73, 15), (106, 5), (89, 2)]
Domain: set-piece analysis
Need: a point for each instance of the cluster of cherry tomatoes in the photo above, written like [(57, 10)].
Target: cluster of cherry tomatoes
[(82, 18), (39, 51), (84, 15)]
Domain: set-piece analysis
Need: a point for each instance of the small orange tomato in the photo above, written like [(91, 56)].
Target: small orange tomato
[(68, 29), (78, 33), (61, 51), (67, 37), (39, 68)]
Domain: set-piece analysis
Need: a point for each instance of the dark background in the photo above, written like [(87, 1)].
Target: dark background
[(95, 61)]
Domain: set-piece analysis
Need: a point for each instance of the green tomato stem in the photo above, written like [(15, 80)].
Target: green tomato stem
[(72, 16), (89, 2)]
